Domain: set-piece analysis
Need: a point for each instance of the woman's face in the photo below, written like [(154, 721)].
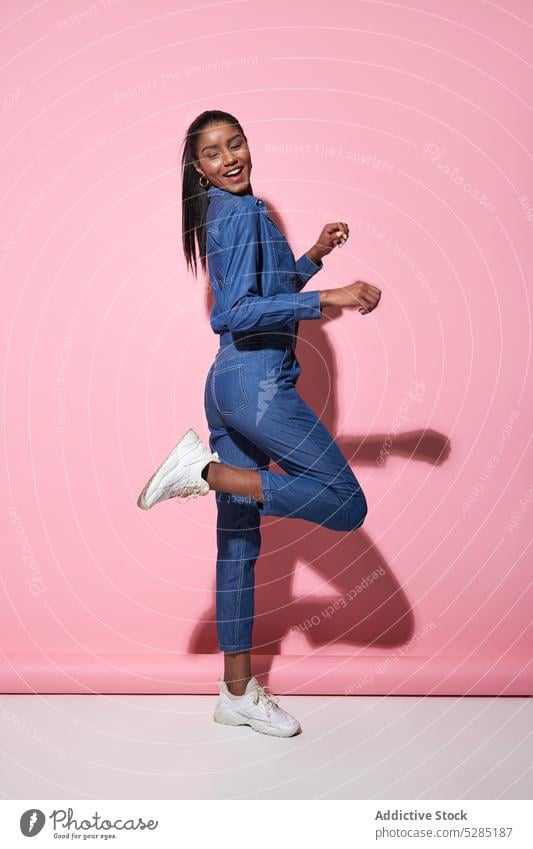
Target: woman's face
[(221, 149)]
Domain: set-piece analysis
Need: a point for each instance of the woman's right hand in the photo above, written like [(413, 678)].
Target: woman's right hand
[(360, 296)]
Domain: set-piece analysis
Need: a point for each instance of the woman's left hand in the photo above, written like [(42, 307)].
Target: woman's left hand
[(332, 235)]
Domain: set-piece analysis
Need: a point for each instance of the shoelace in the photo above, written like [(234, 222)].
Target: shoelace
[(194, 491), (268, 699)]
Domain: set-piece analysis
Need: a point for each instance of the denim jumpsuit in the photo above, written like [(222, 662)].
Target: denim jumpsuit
[(253, 410)]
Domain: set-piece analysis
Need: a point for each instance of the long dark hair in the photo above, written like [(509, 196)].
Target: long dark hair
[(194, 196)]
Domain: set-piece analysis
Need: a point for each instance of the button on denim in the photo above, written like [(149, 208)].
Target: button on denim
[(253, 409)]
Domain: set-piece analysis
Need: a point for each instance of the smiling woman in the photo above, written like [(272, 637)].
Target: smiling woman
[(215, 153), (253, 409)]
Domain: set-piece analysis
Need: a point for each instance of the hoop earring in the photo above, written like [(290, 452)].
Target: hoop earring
[(203, 185)]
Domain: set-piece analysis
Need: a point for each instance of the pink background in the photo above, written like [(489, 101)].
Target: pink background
[(412, 124)]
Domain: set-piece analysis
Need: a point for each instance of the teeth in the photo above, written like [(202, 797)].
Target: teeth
[(235, 171)]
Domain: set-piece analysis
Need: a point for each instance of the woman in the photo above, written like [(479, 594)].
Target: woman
[(254, 412)]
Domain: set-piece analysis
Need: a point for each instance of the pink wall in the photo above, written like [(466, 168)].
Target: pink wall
[(412, 125)]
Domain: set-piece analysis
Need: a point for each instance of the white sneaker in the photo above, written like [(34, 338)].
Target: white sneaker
[(180, 475), (256, 708)]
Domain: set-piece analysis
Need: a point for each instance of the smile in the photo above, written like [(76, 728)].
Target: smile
[(233, 174)]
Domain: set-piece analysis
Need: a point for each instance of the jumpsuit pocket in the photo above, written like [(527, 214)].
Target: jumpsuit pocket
[(228, 389)]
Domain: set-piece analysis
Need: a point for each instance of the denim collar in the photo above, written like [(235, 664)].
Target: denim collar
[(215, 190)]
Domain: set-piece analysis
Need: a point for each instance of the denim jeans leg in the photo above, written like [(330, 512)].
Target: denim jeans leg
[(238, 536), (318, 485), (255, 414), (238, 544)]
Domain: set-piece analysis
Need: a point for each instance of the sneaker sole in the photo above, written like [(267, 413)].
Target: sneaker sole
[(263, 727), (159, 473)]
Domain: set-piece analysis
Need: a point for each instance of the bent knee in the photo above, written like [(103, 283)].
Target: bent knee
[(356, 509)]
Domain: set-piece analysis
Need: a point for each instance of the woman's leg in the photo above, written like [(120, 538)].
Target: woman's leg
[(238, 547), (237, 671), (238, 540), (269, 420), (224, 478), (260, 401)]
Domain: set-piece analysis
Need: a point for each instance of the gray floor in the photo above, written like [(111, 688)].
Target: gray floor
[(169, 747)]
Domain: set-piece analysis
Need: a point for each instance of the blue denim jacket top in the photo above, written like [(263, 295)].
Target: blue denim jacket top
[(255, 278)]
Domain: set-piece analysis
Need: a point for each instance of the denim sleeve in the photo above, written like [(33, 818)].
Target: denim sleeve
[(243, 305), (305, 268)]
